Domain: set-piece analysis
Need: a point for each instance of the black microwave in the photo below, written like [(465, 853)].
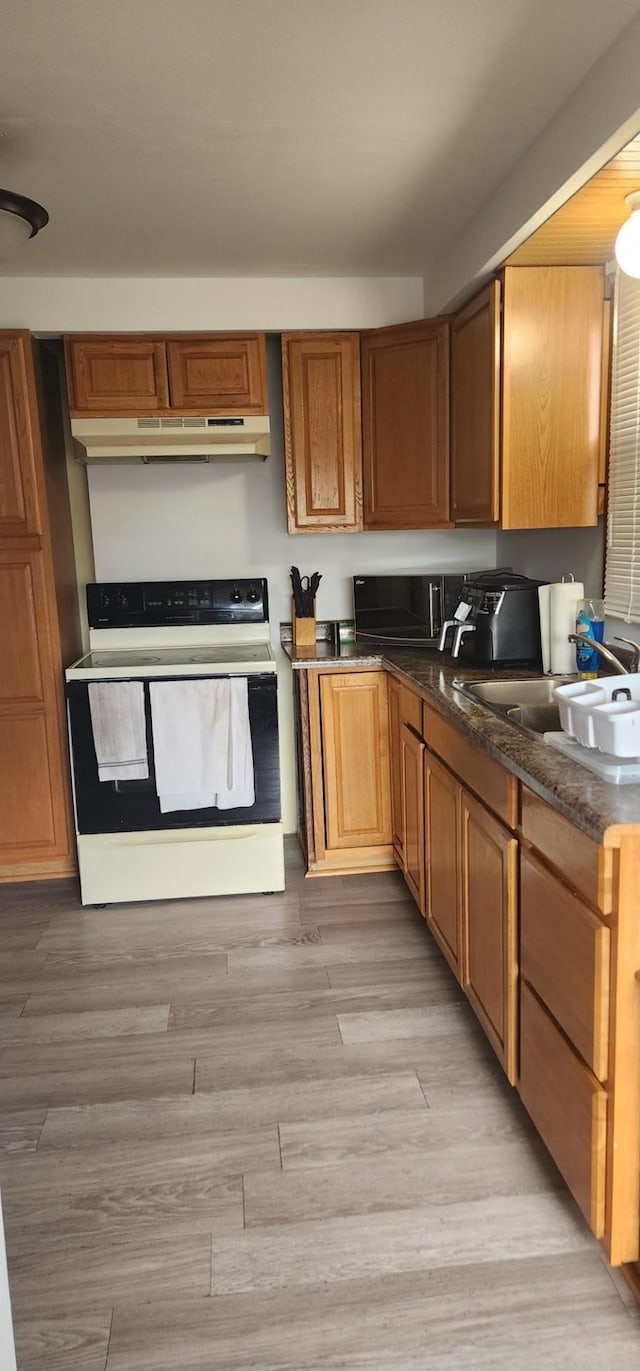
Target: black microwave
[(406, 608)]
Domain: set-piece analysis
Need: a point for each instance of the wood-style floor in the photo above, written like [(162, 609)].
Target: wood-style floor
[(267, 1133)]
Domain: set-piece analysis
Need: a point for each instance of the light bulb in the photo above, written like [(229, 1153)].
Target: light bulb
[(627, 247)]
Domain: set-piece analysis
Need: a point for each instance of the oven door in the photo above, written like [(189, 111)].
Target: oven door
[(133, 806)]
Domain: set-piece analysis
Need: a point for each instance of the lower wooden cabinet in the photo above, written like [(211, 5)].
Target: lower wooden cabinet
[(442, 830), (567, 1105), (345, 773), (489, 885), (413, 814)]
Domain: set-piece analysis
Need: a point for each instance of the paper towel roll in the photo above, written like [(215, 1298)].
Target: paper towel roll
[(563, 602), (544, 599)]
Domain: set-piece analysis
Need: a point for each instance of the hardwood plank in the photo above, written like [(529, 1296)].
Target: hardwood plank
[(425, 1237), (269, 1008), (82, 1272), (176, 986), (210, 1112), (48, 1028), (149, 1048), (86, 1084), (397, 1023), (311, 1144), (393, 1179), (69, 972), (462, 1059), (177, 1185), (20, 1131), (365, 911), (432, 977), (63, 1342), (497, 1313)]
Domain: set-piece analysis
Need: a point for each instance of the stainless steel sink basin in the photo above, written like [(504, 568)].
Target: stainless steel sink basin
[(527, 704)]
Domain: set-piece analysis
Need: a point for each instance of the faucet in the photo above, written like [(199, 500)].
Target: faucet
[(606, 653)]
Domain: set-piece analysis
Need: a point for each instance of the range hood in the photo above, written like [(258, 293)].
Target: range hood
[(154, 440)]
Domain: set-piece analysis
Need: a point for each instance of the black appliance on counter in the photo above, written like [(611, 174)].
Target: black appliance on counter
[(496, 621), (406, 609)]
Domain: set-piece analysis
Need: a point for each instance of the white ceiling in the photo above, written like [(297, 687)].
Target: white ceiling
[(275, 137)]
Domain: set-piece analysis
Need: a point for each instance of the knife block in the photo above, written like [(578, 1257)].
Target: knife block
[(304, 630)]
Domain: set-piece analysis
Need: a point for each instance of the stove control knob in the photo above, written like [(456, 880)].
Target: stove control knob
[(236, 596), (253, 595)]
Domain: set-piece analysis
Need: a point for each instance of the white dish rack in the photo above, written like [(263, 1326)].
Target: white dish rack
[(603, 714)]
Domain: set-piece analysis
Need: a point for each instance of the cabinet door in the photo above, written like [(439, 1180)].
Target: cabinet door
[(33, 795), (475, 410), (405, 426), (218, 374), (395, 757), (413, 814), (323, 449), (489, 918), (113, 375), (442, 827), (355, 739), (568, 1107), (19, 513), (551, 411)]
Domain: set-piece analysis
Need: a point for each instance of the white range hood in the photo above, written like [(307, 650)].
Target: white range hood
[(154, 440)]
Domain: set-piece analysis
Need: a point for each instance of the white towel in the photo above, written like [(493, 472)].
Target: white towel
[(202, 743), (119, 730)]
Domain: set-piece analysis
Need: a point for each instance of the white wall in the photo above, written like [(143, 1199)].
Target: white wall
[(550, 553), (63, 304), (230, 520)]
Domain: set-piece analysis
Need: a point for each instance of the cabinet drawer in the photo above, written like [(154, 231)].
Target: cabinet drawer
[(567, 1105), (565, 957), (583, 864), (411, 709), (497, 788)]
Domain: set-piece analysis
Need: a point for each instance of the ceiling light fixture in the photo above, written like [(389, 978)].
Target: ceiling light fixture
[(20, 219), (628, 241)]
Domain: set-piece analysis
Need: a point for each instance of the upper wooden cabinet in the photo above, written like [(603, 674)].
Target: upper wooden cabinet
[(405, 425), (475, 410), (132, 374), (19, 512), (533, 460), (111, 375), (226, 374), (323, 448)]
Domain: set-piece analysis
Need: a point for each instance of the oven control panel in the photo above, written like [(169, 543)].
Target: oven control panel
[(151, 604)]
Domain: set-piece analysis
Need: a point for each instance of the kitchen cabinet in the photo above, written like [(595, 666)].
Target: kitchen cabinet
[(343, 754), (138, 374), (405, 708), (527, 399), (405, 425), (568, 1107), (475, 410), (36, 839), (413, 864), (322, 430), (218, 375), (472, 902), (489, 894), (442, 826)]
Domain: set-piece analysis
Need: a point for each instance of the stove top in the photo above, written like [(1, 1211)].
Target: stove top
[(207, 659)]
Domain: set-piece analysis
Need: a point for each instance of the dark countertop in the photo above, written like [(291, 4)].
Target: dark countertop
[(592, 804)]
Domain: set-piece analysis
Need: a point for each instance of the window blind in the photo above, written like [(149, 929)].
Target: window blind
[(622, 574)]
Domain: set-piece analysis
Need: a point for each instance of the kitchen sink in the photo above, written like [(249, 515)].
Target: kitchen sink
[(529, 705)]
